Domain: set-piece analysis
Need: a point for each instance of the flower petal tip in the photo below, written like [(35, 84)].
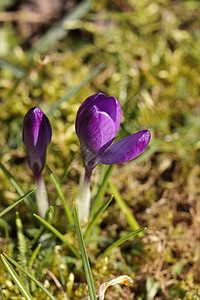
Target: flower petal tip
[(127, 148)]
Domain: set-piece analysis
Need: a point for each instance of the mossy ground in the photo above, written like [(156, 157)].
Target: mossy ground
[(151, 54)]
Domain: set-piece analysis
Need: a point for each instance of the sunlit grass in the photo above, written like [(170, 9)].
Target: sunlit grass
[(150, 56)]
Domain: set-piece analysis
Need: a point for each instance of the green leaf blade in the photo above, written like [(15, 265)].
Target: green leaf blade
[(57, 31), (101, 192), (85, 259), (96, 217), (30, 276), (74, 90), (18, 189), (59, 235), (16, 279), (124, 207), (7, 209), (121, 241), (61, 195)]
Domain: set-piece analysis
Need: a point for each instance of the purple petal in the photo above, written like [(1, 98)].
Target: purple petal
[(36, 137), (109, 105), (126, 148), (97, 131), (97, 122), (96, 136)]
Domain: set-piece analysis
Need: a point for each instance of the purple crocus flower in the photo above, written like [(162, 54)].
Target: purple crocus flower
[(97, 123), (36, 137)]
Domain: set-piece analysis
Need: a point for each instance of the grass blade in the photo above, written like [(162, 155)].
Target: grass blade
[(120, 241), (7, 209), (57, 31), (96, 218), (59, 235), (33, 257), (37, 235), (16, 279), (62, 278), (15, 70), (61, 195), (124, 207), (18, 189), (49, 216), (13, 90), (73, 91), (66, 171), (22, 246), (4, 225), (101, 192), (30, 276), (86, 264)]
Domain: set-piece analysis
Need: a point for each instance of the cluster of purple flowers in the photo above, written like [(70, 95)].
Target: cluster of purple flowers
[(97, 123)]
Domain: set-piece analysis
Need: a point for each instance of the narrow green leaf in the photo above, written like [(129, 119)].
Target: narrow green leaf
[(13, 90), (59, 235), (14, 183), (124, 207), (37, 235), (96, 217), (62, 278), (85, 259), (16, 71), (33, 256), (65, 174), (22, 247), (30, 276), (101, 192), (120, 241), (67, 168), (74, 90), (61, 195), (5, 225), (57, 31), (49, 215), (7, 209), (16, 279)]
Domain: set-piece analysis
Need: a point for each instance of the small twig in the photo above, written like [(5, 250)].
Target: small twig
[(57, 282), (22, 16)]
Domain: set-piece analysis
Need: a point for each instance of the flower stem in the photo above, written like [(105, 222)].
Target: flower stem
[(41, 196), (83, 201)]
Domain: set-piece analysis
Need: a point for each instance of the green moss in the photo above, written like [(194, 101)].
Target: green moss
[(151, 55)]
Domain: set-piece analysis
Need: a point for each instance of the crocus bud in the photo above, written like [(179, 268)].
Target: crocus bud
[(97, 123), (36, 137)]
